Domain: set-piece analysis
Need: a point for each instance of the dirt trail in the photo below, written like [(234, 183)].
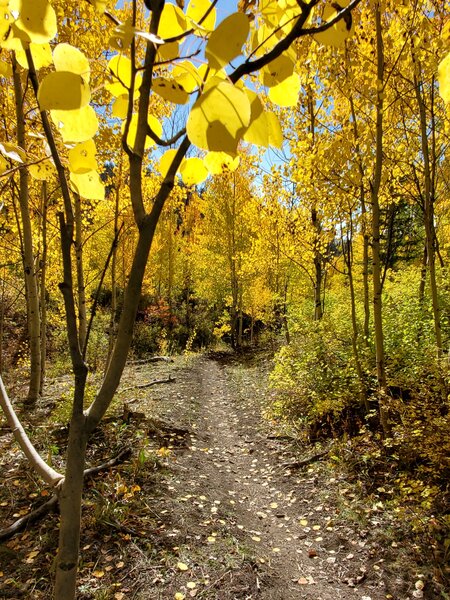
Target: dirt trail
[(243, 524)]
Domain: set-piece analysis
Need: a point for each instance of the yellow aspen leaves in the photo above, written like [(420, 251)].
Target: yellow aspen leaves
[(286, 93), (170, 90), (5, 69), (63, 90), (340, 31), (69, 58), (257, 132), (88, 185), (41, 54), (173, 22), (42, 171), (444, 79), (225, 42), (82, 157), (168, 52), (277, 71), (275, 131), (154, 125), (76, 125), (193, 171), (120, 107), (120, 69), (13, 152), (220, 162), (166, 160), (187, 75), (196, 10), (36, 20), (219, 118), (5, 19)]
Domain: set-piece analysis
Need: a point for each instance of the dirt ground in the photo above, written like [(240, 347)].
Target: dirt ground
[(213, 503)]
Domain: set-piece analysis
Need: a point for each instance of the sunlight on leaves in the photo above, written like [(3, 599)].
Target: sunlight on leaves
[(225, 42), (63, 90)]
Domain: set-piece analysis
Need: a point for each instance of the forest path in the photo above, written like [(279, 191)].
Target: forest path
[(243, 525)]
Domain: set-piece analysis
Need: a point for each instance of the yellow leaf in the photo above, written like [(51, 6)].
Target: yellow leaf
[(444, 78), (5, 69), (258, 131), (6, 19), (122, 36), (82, 157), (154, 124), (88, 185), (98, 574), (277, 70), (36, 22), (275, 131), (168, 52), (179, 596), (173, 22), (42, 171), (170, 90), (197, 9), (120, 68), (41, 53), (63, 90), (286, 93), (3, 167), (187, 75), (120, 107), (76, 125), (225, 42), (340, 31), (220, 162), (181, 566), (166, 160), (219, 118), (69, 58), (13, 152)]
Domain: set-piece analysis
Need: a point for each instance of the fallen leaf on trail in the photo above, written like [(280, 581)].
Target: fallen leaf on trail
[(119, 596), (273, 505), (303, 581), (120, 564), (312, 553), (303, 522), (98, 574), (255, 538), (182, 566), (191, 585), (30, 558), (179, 596)]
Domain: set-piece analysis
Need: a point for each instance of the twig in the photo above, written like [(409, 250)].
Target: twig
[(299, 464), (149, 384)]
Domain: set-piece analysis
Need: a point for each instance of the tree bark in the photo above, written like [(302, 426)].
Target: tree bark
[(31, 283), (376, 259)]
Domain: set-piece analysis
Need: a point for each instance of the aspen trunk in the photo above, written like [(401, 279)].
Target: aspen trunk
[(43, 277), (81, 288), (376, 260), (31, 284)]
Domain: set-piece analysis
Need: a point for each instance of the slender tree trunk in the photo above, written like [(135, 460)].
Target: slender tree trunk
[(43, 278), (364, 227), (112, 319), (376, 259), (430, 231), (81, 287), (32, 295), (348, 257), (318, 271)]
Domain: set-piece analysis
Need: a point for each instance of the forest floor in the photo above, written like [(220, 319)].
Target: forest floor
[(214, 502)]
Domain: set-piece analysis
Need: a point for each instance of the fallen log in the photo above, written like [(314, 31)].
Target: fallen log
[(52, 503)]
